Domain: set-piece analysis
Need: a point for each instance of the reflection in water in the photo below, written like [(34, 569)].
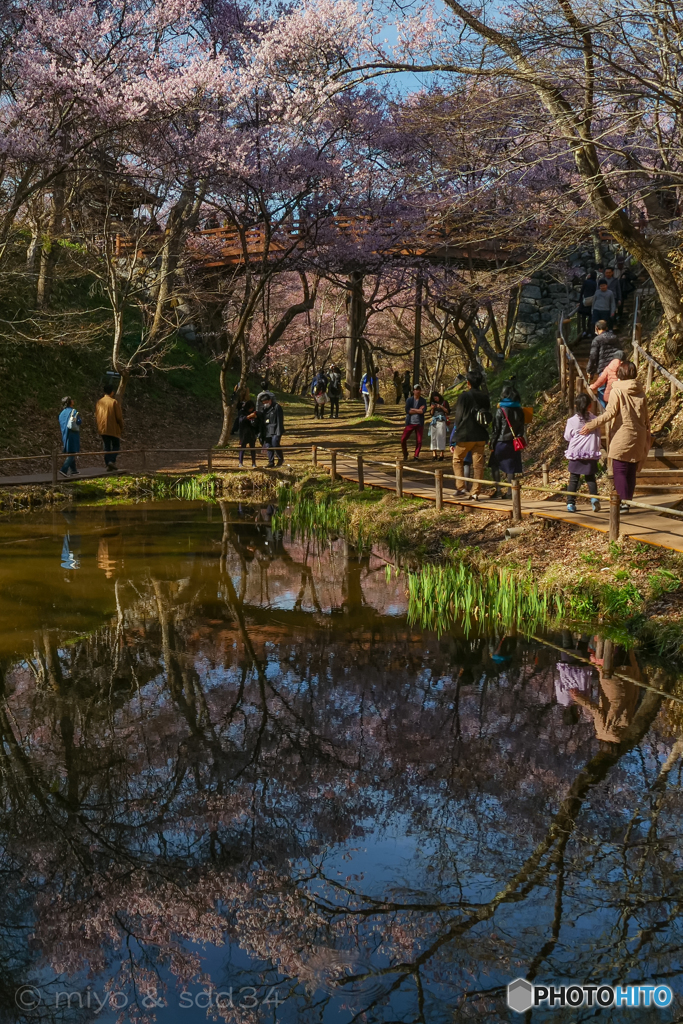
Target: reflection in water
[(229, 763)]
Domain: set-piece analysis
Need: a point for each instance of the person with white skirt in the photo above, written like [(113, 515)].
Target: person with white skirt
[(438, 428)]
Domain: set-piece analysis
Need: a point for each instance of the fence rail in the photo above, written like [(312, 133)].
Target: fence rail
[(653, 366), (516, 486)]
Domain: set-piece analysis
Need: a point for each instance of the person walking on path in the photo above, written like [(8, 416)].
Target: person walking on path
[(471, 418), (631, 436), (603, 385), (319, 400), (588, 290), (70, 426), (604, 304), (614, 286), (319, 378), (604, 348), (416, 408), (259, 398), (248, 426), (366, 385), (406, 386), (334, 390), (582, 453), (508, 427), (109, 419), (272, 428), (398, 386), (439, 410)]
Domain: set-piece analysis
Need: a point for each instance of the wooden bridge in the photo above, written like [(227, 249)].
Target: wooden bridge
[(216, 247)]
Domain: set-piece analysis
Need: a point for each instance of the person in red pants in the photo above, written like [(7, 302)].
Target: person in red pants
[(415, 421)]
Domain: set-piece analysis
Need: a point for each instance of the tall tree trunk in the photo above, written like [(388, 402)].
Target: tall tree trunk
[(355, 315), (230, 401), (183, 216), (50, 251)]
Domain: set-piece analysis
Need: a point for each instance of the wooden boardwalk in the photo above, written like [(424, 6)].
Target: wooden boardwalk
[(648, 527)]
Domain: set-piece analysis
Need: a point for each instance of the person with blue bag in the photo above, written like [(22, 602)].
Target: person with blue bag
[(70, 426)]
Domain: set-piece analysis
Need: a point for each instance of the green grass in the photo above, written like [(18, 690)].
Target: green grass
[(479, 600), (308, 516)]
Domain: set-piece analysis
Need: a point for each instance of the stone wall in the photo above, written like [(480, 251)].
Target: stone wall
[(549, 293)]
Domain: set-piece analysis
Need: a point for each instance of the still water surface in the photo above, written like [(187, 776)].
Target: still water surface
[(237, 782)]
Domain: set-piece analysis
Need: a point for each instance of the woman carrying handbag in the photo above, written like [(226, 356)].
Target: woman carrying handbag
[(507, 438)]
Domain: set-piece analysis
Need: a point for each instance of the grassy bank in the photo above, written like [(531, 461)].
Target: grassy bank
[(458, 561)]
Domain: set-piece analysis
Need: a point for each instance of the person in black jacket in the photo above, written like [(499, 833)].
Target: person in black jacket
[(272, 429), (604, 349), (508, 424), (415, 421), (334, 390), (470, 433), (588, 290), (406, 385), (248, 428)]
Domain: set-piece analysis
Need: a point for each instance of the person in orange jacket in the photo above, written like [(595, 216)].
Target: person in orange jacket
[(109, 419)]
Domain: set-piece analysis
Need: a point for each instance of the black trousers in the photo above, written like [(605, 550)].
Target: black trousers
[(575, 478), (112, 446), (248, 443), (334, 406)]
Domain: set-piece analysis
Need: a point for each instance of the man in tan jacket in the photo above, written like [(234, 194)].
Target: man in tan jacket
[(109, 419)]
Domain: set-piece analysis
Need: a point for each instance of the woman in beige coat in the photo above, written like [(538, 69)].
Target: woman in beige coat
[(631, 438)]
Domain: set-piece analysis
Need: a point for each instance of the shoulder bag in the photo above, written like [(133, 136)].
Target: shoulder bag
[(518, 443)]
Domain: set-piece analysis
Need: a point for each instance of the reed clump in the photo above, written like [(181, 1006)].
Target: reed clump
[(307, 516), (495, 597)]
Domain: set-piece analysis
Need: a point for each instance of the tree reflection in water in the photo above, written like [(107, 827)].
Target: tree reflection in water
[(254, 750)]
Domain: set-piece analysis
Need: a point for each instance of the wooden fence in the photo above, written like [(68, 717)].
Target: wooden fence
[(675, 385)]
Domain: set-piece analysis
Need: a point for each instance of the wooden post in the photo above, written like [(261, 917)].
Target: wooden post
[(636, 355), (608, 658), (333, 464), (516, 489), (399, 478), (361, 478), (648, 379), (563, 369), (546, 474), (570, 384), (614, 513), (314, 454), (55, 457), (209, 460), (438, 488)]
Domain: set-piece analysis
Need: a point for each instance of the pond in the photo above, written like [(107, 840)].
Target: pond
[(237, 782)]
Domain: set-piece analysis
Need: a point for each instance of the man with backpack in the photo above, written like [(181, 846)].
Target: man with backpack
[(472, 415), (334, 390)]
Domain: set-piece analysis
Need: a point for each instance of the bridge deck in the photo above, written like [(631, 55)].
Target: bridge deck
[(648, 527)]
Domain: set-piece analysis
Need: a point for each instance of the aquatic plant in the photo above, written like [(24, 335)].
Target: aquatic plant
[(309, 517), (500, 597)]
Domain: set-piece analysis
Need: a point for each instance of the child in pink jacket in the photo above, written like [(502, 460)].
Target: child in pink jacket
[(583, 457), (607, 378)]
